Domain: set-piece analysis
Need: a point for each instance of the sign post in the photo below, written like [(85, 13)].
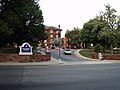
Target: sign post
[(59, 60)]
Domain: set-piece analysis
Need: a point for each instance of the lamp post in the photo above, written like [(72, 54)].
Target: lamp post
[(59, 43)]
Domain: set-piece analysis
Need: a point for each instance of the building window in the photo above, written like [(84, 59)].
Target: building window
[(57, 31), (51, 36), (56, 36), (45, 41), (51, 40), (51, 31)]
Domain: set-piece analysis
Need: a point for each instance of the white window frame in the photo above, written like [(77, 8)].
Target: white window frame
[(57, 31), (56, 36), (51, 31), (51, 36), (45, 41)]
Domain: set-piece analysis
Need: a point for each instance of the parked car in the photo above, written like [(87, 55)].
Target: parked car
[(67, 51)]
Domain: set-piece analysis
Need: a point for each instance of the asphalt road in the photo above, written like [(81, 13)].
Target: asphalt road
[(61, 77), (67, 58)]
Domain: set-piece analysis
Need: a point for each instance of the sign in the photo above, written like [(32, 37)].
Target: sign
[(57, 41), (25, 49)]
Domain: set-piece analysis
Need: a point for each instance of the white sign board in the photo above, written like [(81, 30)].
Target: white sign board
[(25, 49)]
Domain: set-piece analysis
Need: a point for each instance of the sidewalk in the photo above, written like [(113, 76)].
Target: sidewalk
[(46, 63), (51, 62)]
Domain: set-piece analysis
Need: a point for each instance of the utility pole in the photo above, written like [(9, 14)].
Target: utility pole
[(59, 36)]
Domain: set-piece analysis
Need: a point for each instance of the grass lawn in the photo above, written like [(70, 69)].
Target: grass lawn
[(86, 53)]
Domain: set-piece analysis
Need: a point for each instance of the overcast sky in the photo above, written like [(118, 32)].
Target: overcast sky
[(73, 13)]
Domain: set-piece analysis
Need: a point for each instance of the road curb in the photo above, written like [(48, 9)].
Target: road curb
[(79, 55)]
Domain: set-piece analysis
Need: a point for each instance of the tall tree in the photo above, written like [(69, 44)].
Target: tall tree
[(23, 19), (112, 19), (91, 30), (103, 29)]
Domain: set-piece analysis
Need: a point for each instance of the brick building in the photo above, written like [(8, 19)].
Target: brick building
[(53, 32), (65, 44)]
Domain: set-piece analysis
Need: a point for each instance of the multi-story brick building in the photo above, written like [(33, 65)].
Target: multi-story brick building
[(53, 32)]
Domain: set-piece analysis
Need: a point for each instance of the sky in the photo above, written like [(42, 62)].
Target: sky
[(73, 13)]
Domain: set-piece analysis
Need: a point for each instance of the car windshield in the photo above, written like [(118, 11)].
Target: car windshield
[(67, 49)]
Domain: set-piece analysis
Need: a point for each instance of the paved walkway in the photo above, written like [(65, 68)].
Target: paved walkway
[(47, 63), (54, 61)]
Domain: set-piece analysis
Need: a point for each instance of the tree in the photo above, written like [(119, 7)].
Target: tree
[(111, 33), (103, 29), (73, 36), (91, 30), (3, 33), (24, 21)]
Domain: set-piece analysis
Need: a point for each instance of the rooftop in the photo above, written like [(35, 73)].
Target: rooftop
[(56, 28)]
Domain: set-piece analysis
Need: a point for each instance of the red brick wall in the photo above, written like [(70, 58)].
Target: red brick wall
[(107, 57), (23, 58), (111, 57)]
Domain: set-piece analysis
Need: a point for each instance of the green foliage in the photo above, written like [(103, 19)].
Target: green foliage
[(8, 51), (103, 29), (86, 53), (74, 36), (111, 33), (91, 30), (22, 21), (98, 48)]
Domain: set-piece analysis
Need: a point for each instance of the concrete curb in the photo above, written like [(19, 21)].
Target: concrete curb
[(86, 62), (79, 55)]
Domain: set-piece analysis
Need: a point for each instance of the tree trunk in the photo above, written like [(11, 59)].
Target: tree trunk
[(18, 44), (103, 49), (0, 45), (111, 49), (12, 45)]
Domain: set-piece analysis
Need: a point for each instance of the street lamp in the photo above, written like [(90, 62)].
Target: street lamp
[(59, 43)]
